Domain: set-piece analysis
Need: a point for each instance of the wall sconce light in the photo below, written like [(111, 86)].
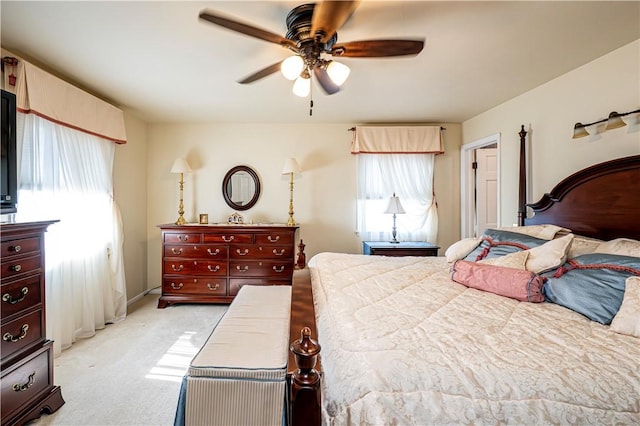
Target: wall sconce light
[(394, 208), (181, 166), (613, 122), (291, 166)]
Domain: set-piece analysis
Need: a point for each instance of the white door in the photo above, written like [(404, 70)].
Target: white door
[(486, 189)]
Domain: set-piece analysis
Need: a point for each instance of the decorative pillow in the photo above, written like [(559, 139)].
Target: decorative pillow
[(582, 245), (592, 284), (545, 232), (517, 260), (496, 243), (627, 320), (550, 255), (518, 284), (621, 246), (461, 248)]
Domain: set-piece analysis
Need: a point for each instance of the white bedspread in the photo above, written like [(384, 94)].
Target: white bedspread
[(403, 344)]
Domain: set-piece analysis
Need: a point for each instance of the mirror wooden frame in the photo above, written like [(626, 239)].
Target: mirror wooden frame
[(226, 188)]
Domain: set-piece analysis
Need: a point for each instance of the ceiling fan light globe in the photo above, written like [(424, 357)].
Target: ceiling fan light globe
[(338, 72), (302, 87), (292, 67)]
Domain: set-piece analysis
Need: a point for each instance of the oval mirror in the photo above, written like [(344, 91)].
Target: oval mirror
[(241, 188)]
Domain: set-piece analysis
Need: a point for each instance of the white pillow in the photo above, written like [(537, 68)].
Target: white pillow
[(516, 260), (621, 246), (544, 232), (549, 255), (627, 320), (460, 249)]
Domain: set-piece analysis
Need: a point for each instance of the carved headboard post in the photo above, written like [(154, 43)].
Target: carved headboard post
[(522, 183)]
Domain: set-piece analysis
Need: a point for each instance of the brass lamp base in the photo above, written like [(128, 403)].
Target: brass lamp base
[(181, 220)]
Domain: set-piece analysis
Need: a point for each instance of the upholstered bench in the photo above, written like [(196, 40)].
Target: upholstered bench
[(239, 375)]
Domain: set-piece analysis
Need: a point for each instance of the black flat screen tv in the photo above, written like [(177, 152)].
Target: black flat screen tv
[(8, 165)]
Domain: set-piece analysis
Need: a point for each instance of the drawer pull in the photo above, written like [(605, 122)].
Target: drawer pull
[(228, 239), (178, 269), (213, 288), (15, 248), (183, 237), (15, 268), (176, 251), (213, 253), (242, 268), (211, 269), (176, 287), (21, 388), (242, 253), (278, 254), (8, 337), (7, 297), (278, 268), (272, 239)]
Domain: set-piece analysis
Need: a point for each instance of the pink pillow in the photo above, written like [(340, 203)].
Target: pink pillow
[(518, 284)]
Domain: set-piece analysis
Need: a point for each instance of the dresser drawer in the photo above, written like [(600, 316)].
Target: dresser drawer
[(229, 238), (272, 269), (19, 266), (182, 237), (275, 238), (195, 267), (24, 246), (24, 381), (21, 332), (260, 252), (235, 284), (200, 251), (20, 295), (195, 285)]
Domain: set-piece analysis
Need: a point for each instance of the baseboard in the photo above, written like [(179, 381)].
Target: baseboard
[(139, 297)]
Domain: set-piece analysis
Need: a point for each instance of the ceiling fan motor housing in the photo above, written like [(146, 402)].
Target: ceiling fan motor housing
[(299, 28)]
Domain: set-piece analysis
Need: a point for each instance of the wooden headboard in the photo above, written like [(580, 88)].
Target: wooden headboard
[(601, 201)]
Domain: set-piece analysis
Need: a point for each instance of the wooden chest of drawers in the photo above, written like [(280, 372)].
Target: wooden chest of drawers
[(209, 263), (27, 356)]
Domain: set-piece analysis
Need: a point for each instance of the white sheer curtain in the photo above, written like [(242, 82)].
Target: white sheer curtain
[(66, 174), (410, 176)]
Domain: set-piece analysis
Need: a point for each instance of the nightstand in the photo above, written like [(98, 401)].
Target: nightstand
[(406, 248)]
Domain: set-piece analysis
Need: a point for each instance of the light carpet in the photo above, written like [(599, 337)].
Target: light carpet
[(129, 373)]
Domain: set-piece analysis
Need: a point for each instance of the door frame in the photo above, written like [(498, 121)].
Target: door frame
[(467, 182)]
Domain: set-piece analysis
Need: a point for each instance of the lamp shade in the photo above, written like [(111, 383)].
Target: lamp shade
[(394, 206), (338, 72), (615, 121), (579, 131), (180, 165), (302, 87), (292, 67), (291, 166)]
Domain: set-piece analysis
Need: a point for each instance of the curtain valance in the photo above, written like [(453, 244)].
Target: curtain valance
[(49, 97), (397, 140)]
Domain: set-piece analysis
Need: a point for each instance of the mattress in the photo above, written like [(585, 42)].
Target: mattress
[(403, 344)]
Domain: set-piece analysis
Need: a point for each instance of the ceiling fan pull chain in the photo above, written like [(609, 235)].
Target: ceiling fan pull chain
[(310, 96)]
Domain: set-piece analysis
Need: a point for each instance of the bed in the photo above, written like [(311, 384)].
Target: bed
[(402, 343)]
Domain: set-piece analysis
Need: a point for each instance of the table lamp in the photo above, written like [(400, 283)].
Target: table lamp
[(181, 166), (394, 208)]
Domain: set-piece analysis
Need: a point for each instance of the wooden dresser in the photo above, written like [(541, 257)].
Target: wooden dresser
[(27, 356), (209, 263)]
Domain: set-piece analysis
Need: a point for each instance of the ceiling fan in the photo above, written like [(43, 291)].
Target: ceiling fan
[(311, 36)]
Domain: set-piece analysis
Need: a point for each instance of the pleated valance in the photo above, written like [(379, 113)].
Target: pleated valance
[(397, 140), (49, 97)]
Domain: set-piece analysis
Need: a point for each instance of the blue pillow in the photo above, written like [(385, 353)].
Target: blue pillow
[(592, 284), (496, 243)]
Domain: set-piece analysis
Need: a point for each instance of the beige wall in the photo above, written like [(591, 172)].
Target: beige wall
[(324, 194), (586, 94)]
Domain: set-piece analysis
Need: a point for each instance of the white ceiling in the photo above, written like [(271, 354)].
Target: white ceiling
[(160, 61)]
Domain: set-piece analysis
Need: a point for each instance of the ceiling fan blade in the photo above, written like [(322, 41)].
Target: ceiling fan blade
[(329, 16), (377, 48), (246, 29), (325, 81), (261, 74)]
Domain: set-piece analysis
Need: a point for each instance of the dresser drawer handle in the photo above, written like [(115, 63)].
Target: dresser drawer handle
[(178, 269), (176, 251), (7, 297), (228, 239), (183, 237), (15, 268), (243, 268), (272, 239), (242, 253), (278, 254), (15, 248), (21, 388), (278, 268), (213, 288), (213, 253), (216, 269), (176, 287), (8, 337)]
